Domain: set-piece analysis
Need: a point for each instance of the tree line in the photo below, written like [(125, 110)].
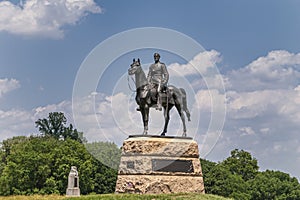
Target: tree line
[(238, 177), (41, 164)]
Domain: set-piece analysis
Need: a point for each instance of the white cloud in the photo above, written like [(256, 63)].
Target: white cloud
[(7, 85), (102, 117), (43, 111), (251, 104), (278, 70), (276, 64), (264, 130), (209, 100), (265, 97), (14, 123), (199, 65), (246, 131), (43, 17), (263, 111), (201, 72), (216, 81)]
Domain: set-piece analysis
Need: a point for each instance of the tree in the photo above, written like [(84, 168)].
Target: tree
[(274, 185), (242, 163), (5, 151), (28, 166), (7, 145), (206, 166), (220, 181), (238, 177), (55, 126), (106, 152), (42, 164)]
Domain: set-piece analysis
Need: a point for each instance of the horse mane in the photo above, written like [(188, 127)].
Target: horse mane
[(142, 80)]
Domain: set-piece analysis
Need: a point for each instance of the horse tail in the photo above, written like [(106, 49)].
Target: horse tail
[(184, 102)]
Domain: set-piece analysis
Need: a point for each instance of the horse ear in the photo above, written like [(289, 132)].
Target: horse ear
[(138, 60), (134, 60)]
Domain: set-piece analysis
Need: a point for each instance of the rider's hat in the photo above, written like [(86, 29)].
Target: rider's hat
[(156, 55)]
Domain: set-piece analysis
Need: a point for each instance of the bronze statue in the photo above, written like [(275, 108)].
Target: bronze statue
[(170, 97), (158, 77)]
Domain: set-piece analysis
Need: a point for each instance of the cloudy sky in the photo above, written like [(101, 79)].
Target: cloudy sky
[(238, 61)]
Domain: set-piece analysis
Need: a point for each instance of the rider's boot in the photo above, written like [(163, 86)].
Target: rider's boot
[(159, 106)]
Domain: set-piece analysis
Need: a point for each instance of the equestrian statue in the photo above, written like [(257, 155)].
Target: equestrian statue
[(153, 92)]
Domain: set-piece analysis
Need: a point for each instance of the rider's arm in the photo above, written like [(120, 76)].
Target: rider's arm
[(165, 74)]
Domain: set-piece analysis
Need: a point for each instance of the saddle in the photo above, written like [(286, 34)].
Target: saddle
[(153, 94)]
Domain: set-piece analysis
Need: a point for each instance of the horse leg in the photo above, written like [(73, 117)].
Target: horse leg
[(181, 114), (146, 119), (184, 104), (167, 118), (145, 115)]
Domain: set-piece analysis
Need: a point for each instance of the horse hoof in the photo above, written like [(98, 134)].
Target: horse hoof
[(184, 134), (163, 134)]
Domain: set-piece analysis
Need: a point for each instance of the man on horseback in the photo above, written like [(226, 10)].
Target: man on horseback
[(158, 76)]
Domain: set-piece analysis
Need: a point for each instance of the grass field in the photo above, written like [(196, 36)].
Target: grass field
[(119, 197)]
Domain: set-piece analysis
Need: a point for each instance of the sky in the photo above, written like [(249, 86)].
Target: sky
[(239, 62)]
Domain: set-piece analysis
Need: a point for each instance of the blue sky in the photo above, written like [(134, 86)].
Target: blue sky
[(253, 45)]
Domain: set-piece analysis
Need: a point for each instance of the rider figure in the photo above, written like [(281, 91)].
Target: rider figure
[(159, 76)]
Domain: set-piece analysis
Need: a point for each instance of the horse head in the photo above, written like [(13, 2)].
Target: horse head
[(136, 64)]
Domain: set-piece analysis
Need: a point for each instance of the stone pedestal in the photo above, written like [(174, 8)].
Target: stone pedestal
[(73, 183), (155, 164)]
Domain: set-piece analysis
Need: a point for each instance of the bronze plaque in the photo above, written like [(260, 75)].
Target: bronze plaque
[(168, 165)]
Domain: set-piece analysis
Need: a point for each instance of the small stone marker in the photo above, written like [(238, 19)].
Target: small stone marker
[(73, 183)]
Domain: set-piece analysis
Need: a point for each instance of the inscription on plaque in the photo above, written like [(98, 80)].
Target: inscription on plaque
[(164, 165)]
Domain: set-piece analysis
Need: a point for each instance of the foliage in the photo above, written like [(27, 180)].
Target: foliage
[(6, 146), (238, 177), (55, 126), (42, 164), (106, 152), (242, 163), (274, 185)]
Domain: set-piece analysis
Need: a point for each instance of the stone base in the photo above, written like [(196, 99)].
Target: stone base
[(154, 164), (73, 192), (158, 184)]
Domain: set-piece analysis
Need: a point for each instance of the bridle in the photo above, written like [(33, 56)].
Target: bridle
[(134, 81)]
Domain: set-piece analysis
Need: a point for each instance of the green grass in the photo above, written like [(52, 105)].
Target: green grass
[(120, 197)]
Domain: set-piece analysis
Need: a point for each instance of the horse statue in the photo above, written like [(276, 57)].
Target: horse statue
[(146, 98)]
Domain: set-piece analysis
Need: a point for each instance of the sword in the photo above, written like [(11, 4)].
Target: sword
[(159, 87)]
